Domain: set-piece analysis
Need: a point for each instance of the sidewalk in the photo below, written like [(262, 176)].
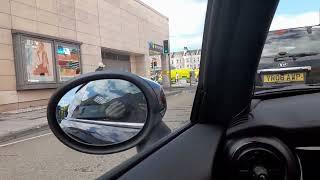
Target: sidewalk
[(15, 124)]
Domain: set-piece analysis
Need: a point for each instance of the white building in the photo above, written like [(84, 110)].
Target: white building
[(186, 59)]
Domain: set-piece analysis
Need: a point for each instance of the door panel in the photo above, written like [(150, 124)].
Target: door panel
[(188, 156)]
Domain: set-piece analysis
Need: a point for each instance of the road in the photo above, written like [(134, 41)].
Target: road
[(42, 156)]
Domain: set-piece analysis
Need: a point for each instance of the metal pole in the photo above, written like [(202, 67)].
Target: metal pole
[(169, 69), (154, 69)]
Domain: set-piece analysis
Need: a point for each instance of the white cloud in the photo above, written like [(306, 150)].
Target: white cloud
[(186, 20), (192, 42), (284, 21)]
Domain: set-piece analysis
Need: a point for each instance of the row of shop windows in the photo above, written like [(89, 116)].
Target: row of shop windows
[(44, 62)]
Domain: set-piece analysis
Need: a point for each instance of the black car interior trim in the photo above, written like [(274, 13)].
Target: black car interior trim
[(130, 163), (189, 156), (232, 51), (272, 94), (264, 157), (287, 118)]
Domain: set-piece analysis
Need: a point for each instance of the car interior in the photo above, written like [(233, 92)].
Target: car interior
[(235, 133)]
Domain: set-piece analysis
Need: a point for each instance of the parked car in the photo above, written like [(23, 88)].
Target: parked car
[(290, 57)]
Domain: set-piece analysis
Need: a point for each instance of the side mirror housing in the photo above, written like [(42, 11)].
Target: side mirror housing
[(107, 112)]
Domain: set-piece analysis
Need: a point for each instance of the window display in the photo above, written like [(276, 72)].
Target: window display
[(68, 61), (43, 62), (38, 56)]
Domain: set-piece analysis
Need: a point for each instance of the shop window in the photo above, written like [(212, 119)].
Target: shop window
[(44, 62)]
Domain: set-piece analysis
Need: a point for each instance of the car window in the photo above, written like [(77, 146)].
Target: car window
[(46, 43), (291, 52)]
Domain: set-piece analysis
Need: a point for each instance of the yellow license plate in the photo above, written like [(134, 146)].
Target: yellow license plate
[(283, 78)]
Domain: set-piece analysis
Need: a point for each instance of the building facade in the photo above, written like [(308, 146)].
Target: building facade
[(185, 59), (44, 43)]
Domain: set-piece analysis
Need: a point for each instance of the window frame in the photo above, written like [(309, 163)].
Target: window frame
[(22, 82)]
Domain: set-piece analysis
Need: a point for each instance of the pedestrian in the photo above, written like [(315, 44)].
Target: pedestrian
[(101, 67), (177, 77), (190, 77)]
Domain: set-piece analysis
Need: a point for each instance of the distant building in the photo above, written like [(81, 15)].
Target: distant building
[(185, 59)]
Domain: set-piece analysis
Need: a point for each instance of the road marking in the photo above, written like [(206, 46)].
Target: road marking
[(22, 140)]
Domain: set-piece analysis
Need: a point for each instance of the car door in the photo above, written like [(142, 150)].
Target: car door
[(234, 35)]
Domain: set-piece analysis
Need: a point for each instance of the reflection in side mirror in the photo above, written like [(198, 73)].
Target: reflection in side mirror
[(102, 112), (309, 30)]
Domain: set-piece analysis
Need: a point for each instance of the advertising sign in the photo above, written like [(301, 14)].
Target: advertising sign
[(38, 56), (68, 61)]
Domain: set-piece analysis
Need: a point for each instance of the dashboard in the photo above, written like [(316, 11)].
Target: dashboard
[(278, 139)]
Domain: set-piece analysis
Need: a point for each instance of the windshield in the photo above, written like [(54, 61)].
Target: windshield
[(291, 55)]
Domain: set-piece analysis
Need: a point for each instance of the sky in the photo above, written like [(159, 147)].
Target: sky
[(186, 18), (186, 21)]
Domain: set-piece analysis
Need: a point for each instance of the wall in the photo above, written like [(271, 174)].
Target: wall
[(125, 25)]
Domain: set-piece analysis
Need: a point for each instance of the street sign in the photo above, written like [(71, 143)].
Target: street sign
[(155, 47)]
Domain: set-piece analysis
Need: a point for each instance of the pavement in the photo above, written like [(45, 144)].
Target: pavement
[(16, 124)]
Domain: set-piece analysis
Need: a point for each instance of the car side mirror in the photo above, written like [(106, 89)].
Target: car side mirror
[(104, 112)]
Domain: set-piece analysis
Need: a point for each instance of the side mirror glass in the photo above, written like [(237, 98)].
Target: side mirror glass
[(102, 112)]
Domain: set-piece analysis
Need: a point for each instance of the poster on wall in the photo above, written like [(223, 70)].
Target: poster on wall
[(68, 61), (38, 56)]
